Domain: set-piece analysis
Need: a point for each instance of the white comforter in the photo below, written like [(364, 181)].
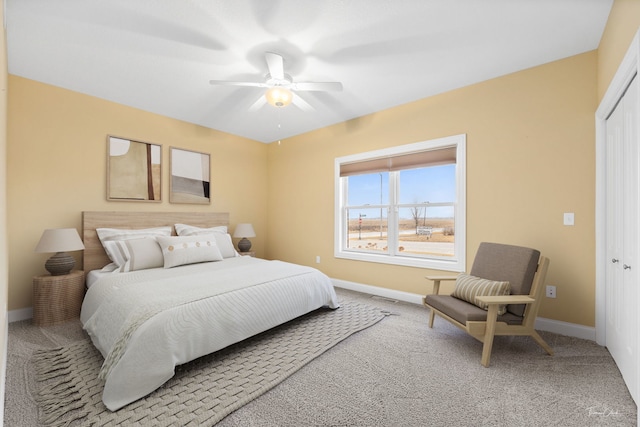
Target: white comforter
[(146, 322)]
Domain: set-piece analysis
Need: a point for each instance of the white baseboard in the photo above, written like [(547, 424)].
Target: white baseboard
[(566, 328), (21, 314), (381, 292), (542, 324), (3, 367)]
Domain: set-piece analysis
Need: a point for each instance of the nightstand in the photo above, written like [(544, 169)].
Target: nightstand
[(57, 299), (250, 253)]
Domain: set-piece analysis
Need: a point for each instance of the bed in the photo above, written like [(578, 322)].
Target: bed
[(146, 321)]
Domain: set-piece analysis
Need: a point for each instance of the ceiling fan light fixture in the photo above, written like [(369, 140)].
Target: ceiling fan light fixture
[(279, 96)]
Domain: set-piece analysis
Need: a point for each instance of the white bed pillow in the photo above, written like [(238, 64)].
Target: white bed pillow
[(223, 239), (183, 250), (110, 236), (141, 254)]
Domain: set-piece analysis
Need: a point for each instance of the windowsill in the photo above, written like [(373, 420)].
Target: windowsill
[(430, 263)]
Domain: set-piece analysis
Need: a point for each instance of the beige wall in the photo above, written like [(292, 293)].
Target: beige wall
[(57, 169), (530, 157), (622, 26), (3, 209)]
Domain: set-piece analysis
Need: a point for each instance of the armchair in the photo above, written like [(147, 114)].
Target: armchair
[(512, 314)]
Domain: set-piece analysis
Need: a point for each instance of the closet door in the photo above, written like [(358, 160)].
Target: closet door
[(622, 235)]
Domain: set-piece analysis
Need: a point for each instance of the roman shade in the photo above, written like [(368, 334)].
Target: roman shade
[(442, 156)]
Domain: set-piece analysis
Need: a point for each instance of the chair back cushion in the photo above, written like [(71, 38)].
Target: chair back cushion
[(514, 264)]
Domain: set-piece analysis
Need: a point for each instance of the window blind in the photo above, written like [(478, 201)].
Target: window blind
[(419, 159)]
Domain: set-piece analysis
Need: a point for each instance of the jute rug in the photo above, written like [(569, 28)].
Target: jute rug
[(203, 391)]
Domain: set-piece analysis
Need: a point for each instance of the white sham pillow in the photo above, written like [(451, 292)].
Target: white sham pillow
[(225, 245), (183, 250), (191, 230), (110, 236), (223, 239)]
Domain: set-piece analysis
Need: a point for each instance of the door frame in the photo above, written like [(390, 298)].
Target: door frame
[(627, 70)]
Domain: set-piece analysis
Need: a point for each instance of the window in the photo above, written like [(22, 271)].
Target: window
[(403, 205)]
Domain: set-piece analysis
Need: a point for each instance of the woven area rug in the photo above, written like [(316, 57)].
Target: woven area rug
[(203, 391)]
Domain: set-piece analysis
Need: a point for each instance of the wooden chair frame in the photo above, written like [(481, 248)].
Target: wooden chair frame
[(484, 331)]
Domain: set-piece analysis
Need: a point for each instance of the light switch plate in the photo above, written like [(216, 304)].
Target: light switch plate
[(569, 218)]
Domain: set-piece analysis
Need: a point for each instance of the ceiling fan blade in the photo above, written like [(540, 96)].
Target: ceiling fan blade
[(275, 63), (318, 86), (301, 103), (258, 104), (231, 83)]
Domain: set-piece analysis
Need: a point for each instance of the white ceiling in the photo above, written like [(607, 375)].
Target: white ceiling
[(159, 55)]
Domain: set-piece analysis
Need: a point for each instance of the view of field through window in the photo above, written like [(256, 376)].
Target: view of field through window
[(432, 237), (425, 220)]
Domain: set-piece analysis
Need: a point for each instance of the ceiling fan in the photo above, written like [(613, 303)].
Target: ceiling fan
[(280, 86)]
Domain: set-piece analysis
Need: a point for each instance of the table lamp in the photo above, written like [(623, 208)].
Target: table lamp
[(59, 240), (243, 231)]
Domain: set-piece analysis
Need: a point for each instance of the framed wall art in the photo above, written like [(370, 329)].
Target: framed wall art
[(134, 170), (190, 177)]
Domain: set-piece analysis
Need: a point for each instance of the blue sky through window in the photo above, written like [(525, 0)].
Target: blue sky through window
[(435, 184)]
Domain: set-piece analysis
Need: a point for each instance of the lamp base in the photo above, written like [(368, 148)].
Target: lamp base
[(60, 264), (244, 245)]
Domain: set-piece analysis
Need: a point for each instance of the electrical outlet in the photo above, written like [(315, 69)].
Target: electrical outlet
[(551, 291), (317, 259)]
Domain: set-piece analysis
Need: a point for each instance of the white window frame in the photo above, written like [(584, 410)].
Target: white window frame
[(455, 263)]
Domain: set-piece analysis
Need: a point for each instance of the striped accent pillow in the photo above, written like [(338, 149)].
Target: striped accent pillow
[(469, 287), (141, 254)]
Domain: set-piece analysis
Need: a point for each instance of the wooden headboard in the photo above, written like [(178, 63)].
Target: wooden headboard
[(95, 257)]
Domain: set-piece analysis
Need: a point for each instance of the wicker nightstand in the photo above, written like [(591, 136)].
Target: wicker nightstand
[(57, 299)]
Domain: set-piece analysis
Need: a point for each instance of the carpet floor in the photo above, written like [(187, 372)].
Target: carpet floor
[(399, 373), (203, 391)]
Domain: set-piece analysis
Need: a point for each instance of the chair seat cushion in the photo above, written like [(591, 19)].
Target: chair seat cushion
[(469, 287), (464, 312)]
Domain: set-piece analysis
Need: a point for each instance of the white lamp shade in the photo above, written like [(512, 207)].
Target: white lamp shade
[(244, 230), (59, 240)]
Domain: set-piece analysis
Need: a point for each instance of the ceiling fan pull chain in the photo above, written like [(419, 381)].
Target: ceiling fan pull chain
[(279, 125)]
